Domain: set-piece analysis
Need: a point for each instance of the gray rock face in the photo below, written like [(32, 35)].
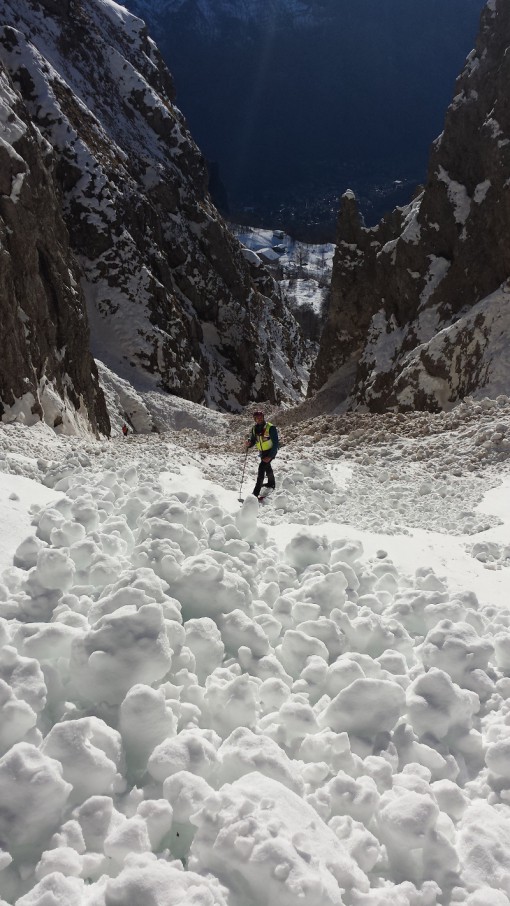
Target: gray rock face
[(419, 314), (46, 369), (172, 302)]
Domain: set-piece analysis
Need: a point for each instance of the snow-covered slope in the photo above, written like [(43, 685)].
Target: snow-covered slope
[(420, 313), (306, 704), (172, 301)]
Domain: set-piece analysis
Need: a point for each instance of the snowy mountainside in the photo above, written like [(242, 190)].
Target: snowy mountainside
[(208, 704), (172, 302), (46, 368), (302, 269), (419, 314), (305, 263)]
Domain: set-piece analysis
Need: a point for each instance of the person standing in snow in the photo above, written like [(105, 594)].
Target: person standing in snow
[(125, 430), (264, 437)]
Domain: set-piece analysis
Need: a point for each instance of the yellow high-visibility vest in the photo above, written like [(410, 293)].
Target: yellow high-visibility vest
[(263, 441)]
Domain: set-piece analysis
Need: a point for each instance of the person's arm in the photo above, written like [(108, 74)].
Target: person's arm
[(250, 441)]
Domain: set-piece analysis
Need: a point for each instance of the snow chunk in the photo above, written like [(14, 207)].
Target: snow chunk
[(125, 649), (159, 883), (145, 721), (33, 795), (305, 549), (206, 588), (483, 848), (25, 677), (194, 751), (365, 708), (89, 752), (267, 845), (457, 649), (16, 718), (55, 889), (436, 705), (245, 751)]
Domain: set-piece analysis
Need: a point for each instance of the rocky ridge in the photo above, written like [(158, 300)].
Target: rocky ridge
[(46, 369), (173, 304), (419, 313)]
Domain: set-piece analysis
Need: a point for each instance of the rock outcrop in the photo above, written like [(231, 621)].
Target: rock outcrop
[(420, 311), (172, 302), (46, 369)]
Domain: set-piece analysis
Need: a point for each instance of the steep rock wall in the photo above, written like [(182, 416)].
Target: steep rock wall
[(46, 369), (419, 305), (172, 302)]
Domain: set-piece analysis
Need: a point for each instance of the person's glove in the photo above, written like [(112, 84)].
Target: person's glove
[(266, 459)]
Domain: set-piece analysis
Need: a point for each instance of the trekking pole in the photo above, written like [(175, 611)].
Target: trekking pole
[(241, 499)]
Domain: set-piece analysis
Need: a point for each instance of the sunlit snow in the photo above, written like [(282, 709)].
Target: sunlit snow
[(213, 703)]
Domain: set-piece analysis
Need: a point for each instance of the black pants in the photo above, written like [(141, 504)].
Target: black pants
[(264, 470)]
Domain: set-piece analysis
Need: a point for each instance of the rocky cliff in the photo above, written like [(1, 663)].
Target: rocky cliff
[(420, 311), (173, 304), (46, 369)]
